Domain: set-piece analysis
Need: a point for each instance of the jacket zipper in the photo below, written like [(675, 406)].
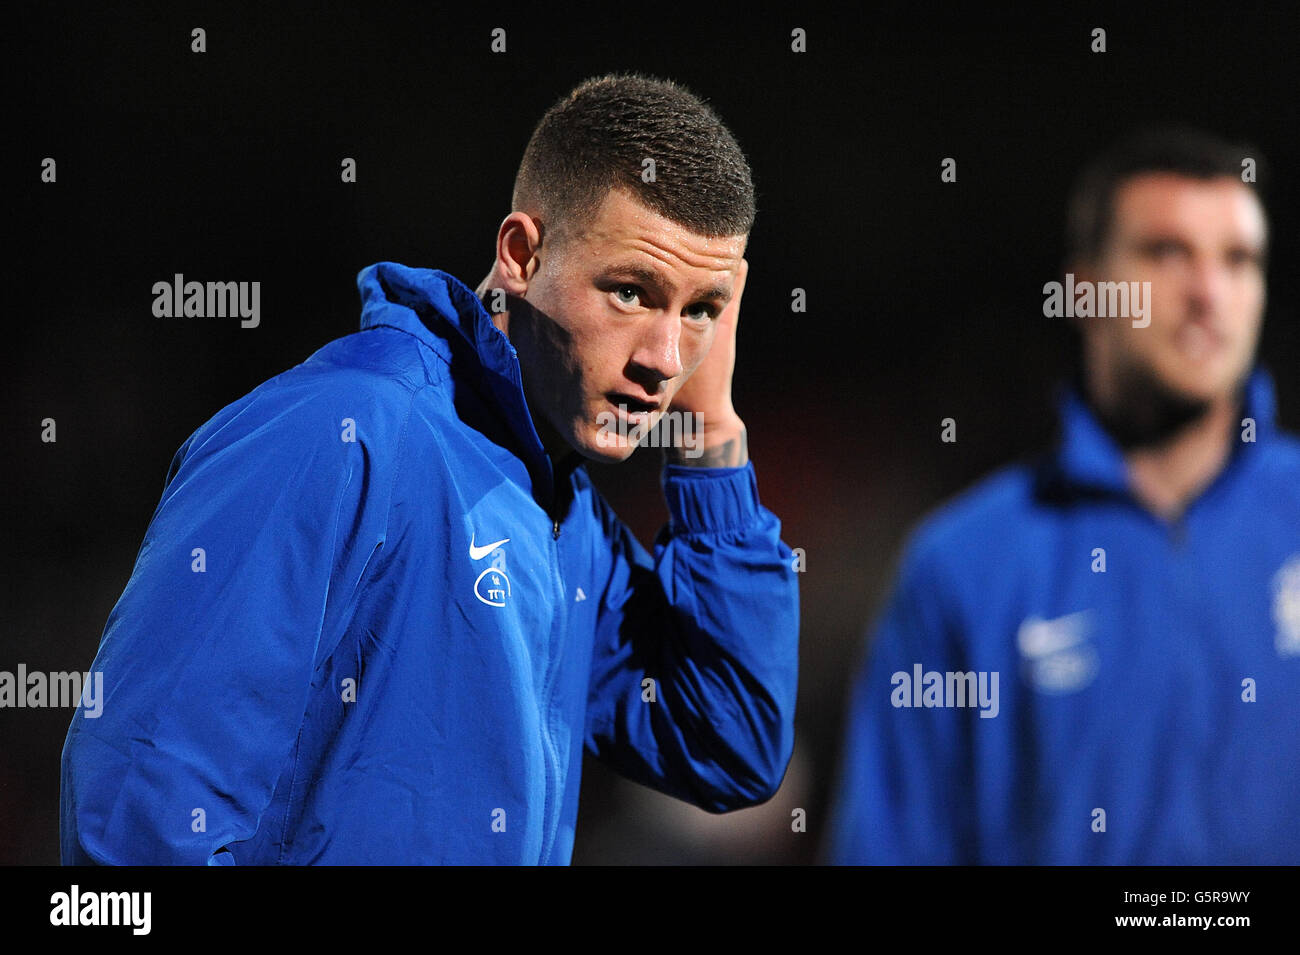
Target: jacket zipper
[(551, 818)]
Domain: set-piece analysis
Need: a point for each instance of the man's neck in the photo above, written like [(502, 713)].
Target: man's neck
[(1168, 475)]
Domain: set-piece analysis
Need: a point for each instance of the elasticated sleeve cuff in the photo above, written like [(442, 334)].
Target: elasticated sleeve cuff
[(708, 500)]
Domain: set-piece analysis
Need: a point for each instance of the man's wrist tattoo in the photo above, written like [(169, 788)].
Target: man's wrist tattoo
[(729, 454)]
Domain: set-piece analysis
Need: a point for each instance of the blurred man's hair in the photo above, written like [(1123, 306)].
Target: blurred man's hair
[(1183, 150), (598, 136)]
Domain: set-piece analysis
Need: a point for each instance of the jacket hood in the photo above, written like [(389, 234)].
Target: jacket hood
[(1087, 456), (433, 306)]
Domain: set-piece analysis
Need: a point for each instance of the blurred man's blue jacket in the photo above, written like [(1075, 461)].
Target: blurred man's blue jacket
[(1149, 691), (369, 623)]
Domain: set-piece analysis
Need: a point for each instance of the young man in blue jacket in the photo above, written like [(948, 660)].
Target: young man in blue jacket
[(380, 611), (1094, 658)]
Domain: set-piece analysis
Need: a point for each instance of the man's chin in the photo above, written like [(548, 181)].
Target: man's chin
[(1151, 407), (604, 449), (1201, 383)]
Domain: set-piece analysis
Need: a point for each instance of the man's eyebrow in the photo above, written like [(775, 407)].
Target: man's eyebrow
[(1146, 240), (648, 276)]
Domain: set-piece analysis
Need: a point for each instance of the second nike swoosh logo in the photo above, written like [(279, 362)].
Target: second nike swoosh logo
[(1040, 638), (478, 553)]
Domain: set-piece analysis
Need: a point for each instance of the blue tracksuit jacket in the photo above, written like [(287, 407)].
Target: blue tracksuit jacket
[(369, 624), (1149, 672)]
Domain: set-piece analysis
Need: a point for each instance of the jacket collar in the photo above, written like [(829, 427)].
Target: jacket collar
[(432, 306), (1088, 458)]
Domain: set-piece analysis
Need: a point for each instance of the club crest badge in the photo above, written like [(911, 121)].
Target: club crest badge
[(1286, 608)]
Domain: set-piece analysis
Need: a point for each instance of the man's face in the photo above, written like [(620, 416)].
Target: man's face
[(1200, 244), (617, 318)]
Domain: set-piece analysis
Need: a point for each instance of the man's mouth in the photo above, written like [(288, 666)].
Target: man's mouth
[(633, 406), (1198, 340), (636, 414)]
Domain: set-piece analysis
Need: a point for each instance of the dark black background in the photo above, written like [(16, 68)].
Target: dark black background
[(924, 298)]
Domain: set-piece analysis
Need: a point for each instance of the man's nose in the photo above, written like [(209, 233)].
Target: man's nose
[(1207, 283), (658, 350)]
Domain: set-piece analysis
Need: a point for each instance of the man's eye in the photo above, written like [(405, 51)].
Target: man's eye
[(701, 313), (632, 290)]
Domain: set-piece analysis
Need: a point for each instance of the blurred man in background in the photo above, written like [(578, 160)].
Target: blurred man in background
[(1094, 658)]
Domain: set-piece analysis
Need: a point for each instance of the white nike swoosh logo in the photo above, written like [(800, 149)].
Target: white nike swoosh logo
[(1038, 637), (478, 553)]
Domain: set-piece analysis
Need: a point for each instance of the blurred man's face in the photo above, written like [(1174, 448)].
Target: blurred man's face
[(618, 316), (1200, 244)]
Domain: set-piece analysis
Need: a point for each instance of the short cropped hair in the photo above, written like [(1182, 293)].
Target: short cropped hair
[(1182, 150), (598, 137)]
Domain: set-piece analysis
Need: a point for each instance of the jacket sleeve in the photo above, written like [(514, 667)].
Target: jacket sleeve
[(713, 621), (904, 795), (253, 554)]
